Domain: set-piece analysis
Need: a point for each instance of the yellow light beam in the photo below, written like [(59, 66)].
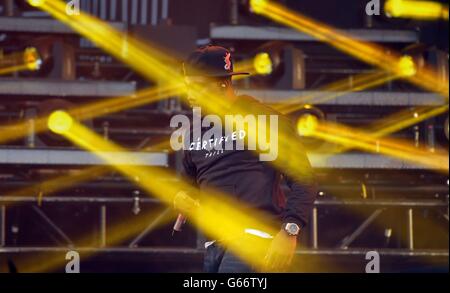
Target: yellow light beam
[(370, 53), (215, 102), (26, 60), (424, 10), (118, 104), (394, 144), (395, 148), (244, 66), (285, 161), (66, 180), (121, 230), (396, 68), (97, 109), (148, 61), (399, 69), (141, 56), (216, 209), (144, 59), (360, 82), (74, 177), (399, 121), (146, 55), (94, 109), (12, 69), (258, 65)]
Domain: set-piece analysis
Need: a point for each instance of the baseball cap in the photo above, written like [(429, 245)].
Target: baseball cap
[(210, 61)]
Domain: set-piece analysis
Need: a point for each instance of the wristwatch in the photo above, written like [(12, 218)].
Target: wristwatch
[(291, 228)]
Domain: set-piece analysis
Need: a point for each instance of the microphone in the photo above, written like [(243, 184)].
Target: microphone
[(177, 227), (183, 202)]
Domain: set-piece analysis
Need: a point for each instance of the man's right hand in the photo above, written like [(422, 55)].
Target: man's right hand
[(185, 204)]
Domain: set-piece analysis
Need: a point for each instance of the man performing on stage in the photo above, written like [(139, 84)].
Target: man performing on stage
[(242, 175)]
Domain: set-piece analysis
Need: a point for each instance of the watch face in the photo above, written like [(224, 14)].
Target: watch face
[(292, 228)]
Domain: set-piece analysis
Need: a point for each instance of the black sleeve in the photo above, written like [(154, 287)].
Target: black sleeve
[(298, 173), (188, 171)]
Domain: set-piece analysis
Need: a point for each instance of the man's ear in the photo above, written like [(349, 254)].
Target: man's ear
[(228, 82), (224, 84)]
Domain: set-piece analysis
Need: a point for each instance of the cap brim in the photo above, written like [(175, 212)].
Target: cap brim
[(230, 74), (221, 74), (240, 73)]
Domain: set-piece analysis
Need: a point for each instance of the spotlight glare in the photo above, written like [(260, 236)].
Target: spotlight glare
[(415, 9), (36, 3), (371, 53), (31, 59), (263, 64), (393, 8), (60, 122), (307, 124), (257, 6), (406, 66)]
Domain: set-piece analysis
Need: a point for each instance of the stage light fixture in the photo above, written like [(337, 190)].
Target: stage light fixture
[(306, 124), (263, 64), (279, 65), (60, 122), (32, 59), (407, 66)]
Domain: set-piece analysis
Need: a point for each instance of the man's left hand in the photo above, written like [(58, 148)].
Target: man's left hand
[(281, 252)]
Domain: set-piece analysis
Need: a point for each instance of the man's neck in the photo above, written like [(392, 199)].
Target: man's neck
[(231, 97)]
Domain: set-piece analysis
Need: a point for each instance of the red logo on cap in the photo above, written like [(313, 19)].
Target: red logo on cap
[(228, 61)]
